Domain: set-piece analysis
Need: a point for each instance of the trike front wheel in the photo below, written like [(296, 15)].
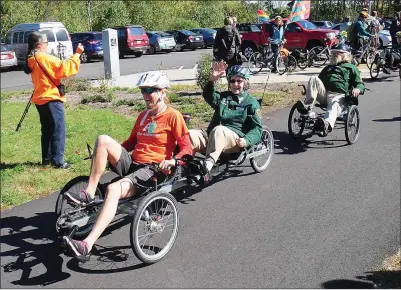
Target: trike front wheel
[(352, 124), (154, 227), (266, 143), (296, 123)]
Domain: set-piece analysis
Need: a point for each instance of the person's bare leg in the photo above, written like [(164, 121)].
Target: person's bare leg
[(121, 189), (106, 149)]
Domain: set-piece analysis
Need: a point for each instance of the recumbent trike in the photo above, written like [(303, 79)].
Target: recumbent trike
[(298, 122), (155, 218)]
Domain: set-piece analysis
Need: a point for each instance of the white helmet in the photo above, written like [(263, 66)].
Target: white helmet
[(154, 79)]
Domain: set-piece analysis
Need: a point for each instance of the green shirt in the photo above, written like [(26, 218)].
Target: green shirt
[(243, 117), (341, 78)]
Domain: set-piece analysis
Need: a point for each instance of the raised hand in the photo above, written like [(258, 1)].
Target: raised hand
[(219, 69)]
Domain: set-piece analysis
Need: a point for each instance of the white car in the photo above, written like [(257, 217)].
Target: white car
[(385, 38), (8, 58)]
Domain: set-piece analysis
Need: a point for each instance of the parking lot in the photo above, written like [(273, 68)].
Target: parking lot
[(17, 79)]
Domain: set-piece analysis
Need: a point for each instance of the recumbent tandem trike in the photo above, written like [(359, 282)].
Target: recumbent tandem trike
[(154, 214)]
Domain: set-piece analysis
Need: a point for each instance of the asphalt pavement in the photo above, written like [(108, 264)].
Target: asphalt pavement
[(323, 214)]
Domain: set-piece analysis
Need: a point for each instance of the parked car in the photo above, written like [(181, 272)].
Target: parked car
[(59, 41), (132, 39), (342, 26), (8, 58), (208, 35), (160, 41), (323, 24), (92, 42), (301, 35), (186, 39)]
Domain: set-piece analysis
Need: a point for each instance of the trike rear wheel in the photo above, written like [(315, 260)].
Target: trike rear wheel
[(260, 163), (64, 206), (155, 217)]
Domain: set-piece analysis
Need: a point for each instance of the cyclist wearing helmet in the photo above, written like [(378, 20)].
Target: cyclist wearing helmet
[(153, 138), (236, 122), (329, 88)]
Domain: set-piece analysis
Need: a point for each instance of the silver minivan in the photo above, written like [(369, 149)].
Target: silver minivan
[(57, 35)]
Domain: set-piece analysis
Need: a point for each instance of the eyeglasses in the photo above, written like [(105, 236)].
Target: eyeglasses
[(149, 90), (232, 81)]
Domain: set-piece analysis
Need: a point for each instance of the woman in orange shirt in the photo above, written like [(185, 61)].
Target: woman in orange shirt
[(46, 72), (154, 137)]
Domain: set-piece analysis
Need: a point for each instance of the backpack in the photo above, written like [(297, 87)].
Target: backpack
[(351, 33)]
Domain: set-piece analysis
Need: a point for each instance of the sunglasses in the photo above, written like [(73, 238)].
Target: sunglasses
[(149, 90), (236, 81)]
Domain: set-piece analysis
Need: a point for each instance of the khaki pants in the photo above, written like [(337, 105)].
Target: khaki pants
[(221, 139), (332, 101)]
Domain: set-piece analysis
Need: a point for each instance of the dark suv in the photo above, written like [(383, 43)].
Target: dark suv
[(92, 42), (132, 39)]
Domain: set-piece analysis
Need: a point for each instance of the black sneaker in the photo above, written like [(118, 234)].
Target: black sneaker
[(65, 165), (78, 248), (386, 70), (302, 108), (321, 126), (46, 162), (81, 197)]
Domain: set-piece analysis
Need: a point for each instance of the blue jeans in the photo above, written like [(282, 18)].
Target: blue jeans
[(53, 131)]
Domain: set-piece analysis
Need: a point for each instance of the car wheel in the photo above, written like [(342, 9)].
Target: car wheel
[(84, 58), (152, 49)]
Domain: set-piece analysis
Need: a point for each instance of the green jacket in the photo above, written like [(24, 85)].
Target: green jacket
[(341, 78), (243, 118)]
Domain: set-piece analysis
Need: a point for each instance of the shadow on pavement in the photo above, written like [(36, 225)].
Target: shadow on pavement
[(378, 80), (288, 145), (32, 242), (394, 119), (107, 260), (346, 284), (375, 279)]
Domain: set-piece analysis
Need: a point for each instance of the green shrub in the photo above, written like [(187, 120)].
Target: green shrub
[(203, 71)]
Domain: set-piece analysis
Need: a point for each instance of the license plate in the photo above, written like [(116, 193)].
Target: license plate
[(138, 41), (197, 38)]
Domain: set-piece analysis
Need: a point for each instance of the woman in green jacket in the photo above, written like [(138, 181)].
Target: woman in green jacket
[(236, 122)]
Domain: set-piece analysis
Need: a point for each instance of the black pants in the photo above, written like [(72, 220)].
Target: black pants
[(53, 130), (392, 59)]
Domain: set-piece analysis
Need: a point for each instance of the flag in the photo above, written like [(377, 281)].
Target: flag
[(300, 11), (262, 16)]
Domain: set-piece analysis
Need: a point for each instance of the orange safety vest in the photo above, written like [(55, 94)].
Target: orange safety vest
[(45, 90)]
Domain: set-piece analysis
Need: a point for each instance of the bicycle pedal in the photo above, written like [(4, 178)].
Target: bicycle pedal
[(83, 259)]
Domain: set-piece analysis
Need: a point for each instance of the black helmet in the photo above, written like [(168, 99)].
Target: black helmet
[(341, 47)]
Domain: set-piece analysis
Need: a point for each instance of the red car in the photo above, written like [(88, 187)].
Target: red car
[(301, 34)]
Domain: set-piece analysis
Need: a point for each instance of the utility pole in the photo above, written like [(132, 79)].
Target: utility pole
[(89, 9)]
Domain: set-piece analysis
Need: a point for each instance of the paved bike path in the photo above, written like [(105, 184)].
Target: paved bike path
[(322, 214)]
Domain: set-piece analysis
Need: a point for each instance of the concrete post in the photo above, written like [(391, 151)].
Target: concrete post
[(110, 54)]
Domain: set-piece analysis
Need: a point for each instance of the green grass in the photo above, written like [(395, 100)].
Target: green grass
[(22, 177)]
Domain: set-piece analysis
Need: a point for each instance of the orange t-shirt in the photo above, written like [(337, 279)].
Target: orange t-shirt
[(153, 139), (45, 90)]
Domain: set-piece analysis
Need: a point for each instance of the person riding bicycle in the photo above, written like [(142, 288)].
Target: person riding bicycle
[(359, 33), (236, 122), (277, 37), (334, 82), (153, 139)]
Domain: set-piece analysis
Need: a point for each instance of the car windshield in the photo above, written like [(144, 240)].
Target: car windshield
[(187, 32), (163, 34), (3, 48), (97, 36), (136, 31), (307, 25), (209, 30)]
